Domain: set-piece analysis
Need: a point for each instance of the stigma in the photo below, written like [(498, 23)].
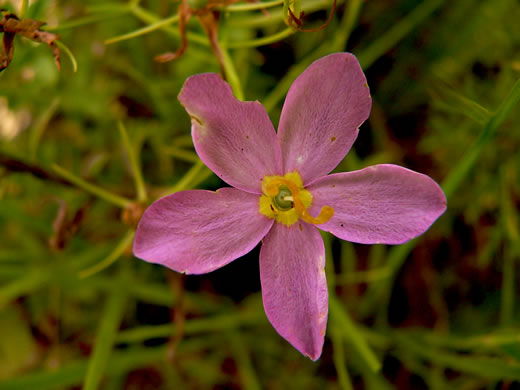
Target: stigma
[(285, 200)]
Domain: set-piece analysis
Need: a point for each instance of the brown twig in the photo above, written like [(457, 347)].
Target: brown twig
[(208, 18), (65, 227), (184, 15), (14, 165), (299, 21)]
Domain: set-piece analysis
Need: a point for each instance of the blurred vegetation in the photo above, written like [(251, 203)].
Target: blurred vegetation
[(81, 154)]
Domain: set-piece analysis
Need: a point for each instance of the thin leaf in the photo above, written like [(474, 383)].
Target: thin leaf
[(105, 338)]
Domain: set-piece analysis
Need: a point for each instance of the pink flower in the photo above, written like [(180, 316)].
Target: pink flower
[(282, 191)]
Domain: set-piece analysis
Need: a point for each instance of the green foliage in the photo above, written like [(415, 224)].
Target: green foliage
[(83, 151)]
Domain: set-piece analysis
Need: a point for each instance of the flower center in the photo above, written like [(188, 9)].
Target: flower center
[(285, 200)]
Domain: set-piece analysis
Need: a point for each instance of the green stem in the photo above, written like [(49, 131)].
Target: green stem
[(134, 165), (26, 284), (181, 154), (111, 258), (144, 30), (454, 179), (85, 20), (40, 126), (485, 367), (251, 6), (111, 7), (245, 367), (183, 141), (231, 74), (487, 342), (276, 16), (91, 188), (152, 19), (71, 373), (281, 88), (346, 25), (260, 41), (220, 323), (353, 335), (338, 357), (69, 54), (390, 38), (197, 174), (149, 18), (105, 339), (368, 276)]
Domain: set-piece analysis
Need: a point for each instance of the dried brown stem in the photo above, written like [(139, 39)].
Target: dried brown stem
[(299, 20), (14, 165)]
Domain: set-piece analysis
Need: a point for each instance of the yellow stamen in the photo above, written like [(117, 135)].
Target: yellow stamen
[(275, 186)]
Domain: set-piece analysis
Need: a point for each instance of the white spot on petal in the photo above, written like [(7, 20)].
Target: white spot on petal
[(299, 160)]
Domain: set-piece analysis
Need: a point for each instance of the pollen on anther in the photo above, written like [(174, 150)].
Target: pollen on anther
[(333, 139)]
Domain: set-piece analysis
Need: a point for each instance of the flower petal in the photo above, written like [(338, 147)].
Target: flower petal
[(294, 289), (235, 139), (322, 113), (199, 231), (381, 204)]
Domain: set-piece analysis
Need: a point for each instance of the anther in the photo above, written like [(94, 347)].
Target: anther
[(279, 185), (325, 215)]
